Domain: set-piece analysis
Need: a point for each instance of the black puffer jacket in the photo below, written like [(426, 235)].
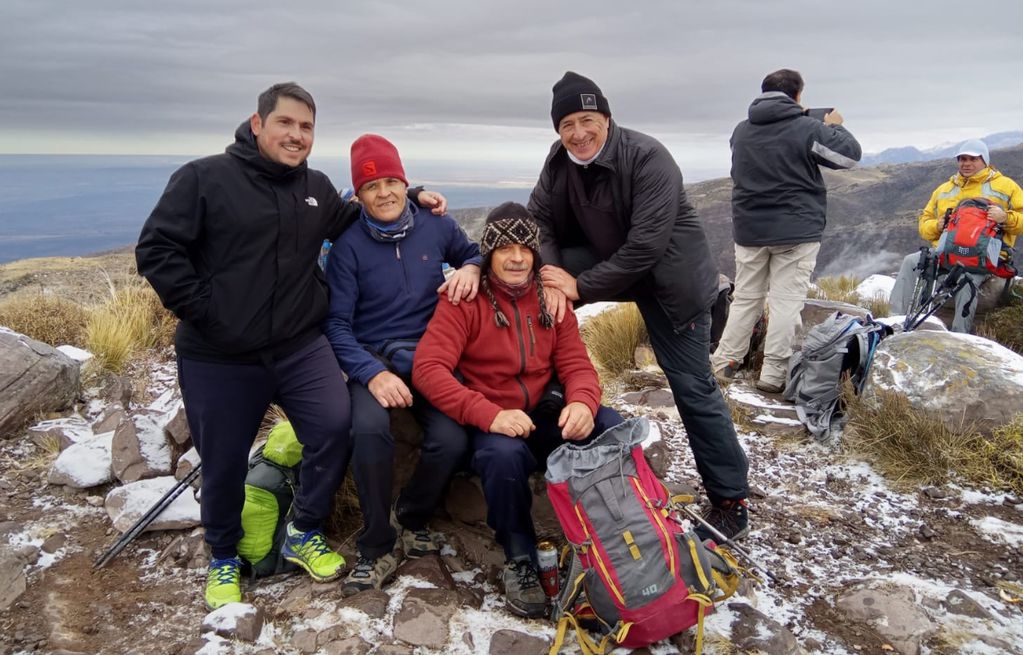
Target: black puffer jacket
[(658, 245), (231, 249), (779, 196)]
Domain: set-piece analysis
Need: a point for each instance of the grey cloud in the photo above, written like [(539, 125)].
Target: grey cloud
[(156, 70)]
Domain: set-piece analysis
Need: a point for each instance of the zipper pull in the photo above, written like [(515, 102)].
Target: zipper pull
[(397, 249), (532, 337)]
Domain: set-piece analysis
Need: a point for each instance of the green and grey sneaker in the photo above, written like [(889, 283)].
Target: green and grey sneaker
[(223, 582), (310, 551), (370, 574)]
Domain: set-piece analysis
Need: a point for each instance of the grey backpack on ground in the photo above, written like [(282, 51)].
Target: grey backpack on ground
[(842, 346)]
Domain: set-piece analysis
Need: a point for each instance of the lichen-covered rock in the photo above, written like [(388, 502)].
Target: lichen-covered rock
[(34, 378), (958, 378)]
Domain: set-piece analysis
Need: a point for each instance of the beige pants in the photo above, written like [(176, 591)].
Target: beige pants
[(780, 275)]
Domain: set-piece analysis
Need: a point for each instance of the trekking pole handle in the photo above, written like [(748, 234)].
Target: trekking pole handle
[(725, 541), (147, 518)]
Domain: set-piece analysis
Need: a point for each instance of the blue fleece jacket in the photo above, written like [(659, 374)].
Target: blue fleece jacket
[(384, 291)]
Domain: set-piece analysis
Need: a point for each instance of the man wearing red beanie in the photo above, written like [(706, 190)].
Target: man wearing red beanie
[(384, 277), (231, 249)]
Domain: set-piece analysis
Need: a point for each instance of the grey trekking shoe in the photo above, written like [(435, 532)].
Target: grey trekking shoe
[(523, 594), (769, 387), (417, 543), (369, 574), (727, 374)]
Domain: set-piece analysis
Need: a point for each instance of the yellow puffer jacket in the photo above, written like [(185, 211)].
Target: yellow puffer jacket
[(988, 183)]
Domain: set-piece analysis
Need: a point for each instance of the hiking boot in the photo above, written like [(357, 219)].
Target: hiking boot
[(418, 543), (523, 594), (415, 543), (310, 551), (369, 574), (223, 582), (769, 387), (727, 374), (730, 518)]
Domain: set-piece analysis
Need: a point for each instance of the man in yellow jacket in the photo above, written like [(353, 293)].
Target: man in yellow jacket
[(976, 178)]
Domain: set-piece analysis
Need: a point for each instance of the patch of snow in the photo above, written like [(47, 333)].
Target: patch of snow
[(876, 286), (898, 320), (653, 436), (166, 403), (153, 445), (978, 497), (999, 530), (588, 311), (85, 464), (76, 354), (747, 397), (768, 418), (139, 496)]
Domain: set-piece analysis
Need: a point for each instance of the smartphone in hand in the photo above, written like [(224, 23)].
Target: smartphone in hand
[(819, 112)]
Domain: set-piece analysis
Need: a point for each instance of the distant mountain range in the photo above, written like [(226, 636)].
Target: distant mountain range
[(910, 154), (872, 213)]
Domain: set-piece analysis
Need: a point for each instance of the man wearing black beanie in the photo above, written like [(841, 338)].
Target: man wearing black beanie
[(615, 224)]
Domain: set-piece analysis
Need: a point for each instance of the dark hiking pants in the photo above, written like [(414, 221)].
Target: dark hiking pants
[(225, 404), (684, 356), (504, 465), (443, 449)]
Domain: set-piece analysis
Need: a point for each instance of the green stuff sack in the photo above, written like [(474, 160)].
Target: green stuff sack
[(282, 446), (270, 487)]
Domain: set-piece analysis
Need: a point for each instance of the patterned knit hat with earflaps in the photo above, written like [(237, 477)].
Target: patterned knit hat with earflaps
[(507, 225)]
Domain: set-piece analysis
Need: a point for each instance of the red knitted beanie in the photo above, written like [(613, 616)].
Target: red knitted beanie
[(373, 158)]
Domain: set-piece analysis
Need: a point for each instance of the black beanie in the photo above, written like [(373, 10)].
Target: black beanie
[(573, 93)]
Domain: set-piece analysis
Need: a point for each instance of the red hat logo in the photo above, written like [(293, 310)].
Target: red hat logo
[(369, 168)]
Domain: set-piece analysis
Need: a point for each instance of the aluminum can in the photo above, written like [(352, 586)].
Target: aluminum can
[(547, 558)]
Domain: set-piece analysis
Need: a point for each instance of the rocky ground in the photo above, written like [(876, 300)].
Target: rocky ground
[(862, 565)]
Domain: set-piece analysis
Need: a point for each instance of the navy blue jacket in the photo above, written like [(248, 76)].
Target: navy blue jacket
[(381, 291)]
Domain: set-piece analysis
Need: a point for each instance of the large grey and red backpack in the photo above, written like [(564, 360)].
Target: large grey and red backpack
[(637, 575), (972, 240)]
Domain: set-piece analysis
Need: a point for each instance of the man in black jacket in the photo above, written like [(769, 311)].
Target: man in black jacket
[(615, 225), (231, 249), (779, 207)]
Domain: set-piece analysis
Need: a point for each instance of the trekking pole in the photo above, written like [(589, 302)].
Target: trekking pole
[(147, 518), (725, 541), (953, 283)]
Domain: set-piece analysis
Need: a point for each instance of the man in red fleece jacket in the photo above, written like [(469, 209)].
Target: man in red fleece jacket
[(511, 356)]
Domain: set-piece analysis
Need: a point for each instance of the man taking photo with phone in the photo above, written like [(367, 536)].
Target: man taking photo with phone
[(779, 210)]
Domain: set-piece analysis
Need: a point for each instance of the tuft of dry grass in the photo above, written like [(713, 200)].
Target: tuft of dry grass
[(612, 337), (913, 447), (345, 520), (843, 289), (45, 317), (1005, 325), (131, 320)]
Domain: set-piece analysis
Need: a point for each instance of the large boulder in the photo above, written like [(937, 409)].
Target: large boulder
[(959, 378), (34, 378)]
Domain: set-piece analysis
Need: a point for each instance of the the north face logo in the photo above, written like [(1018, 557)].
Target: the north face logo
[(369, 168), (588, 101)]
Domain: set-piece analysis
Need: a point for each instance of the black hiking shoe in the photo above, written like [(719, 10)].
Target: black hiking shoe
[(523, 594), (730, 518)]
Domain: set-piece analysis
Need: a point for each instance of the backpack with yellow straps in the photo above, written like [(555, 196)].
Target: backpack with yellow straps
[(636, 576)]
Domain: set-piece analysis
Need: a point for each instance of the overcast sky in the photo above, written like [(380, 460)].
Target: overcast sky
[(469, 83)]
